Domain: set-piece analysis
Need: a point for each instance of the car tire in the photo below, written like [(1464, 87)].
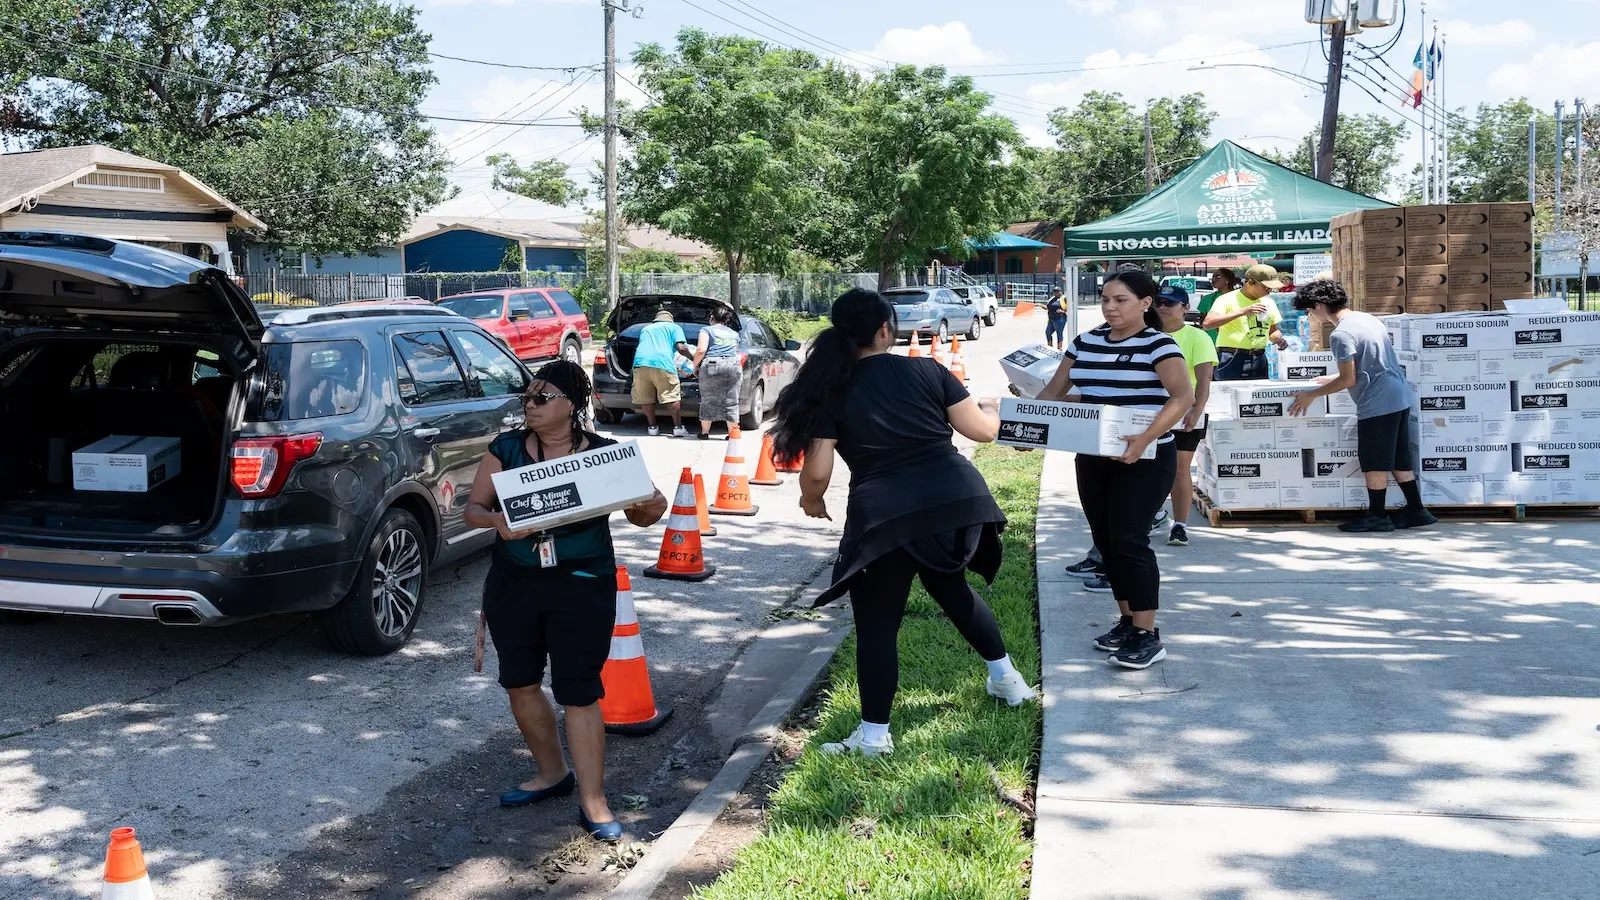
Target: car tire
[(22, 617), (944, 332), (992, 319), (374, 618), (752, 420), (606, 416), (976, 331), (572, 352)]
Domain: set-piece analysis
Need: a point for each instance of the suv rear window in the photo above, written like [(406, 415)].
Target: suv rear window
[(474, 307), (567, 302), (309, 380)]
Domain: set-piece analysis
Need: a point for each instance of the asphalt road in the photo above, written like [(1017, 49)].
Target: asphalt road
[(254, 761)]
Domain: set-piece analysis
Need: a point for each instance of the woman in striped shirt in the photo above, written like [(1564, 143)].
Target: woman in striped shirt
[(1127, 363)]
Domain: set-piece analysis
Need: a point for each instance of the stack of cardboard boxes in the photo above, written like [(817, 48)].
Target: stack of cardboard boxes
[(1434, 259)]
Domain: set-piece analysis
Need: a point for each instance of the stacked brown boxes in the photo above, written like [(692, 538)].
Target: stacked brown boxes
[(1433, 259)]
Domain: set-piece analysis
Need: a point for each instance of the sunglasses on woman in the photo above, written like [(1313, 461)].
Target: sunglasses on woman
[(542, 397)]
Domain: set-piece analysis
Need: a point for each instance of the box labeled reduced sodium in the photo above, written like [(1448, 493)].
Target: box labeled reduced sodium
[(1292, 366), (1030, 368), (126, 464), (573, 488), (1076, 427), (1557, 456)]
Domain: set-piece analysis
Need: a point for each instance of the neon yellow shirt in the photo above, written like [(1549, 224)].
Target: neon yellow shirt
[(1197, 349), (1245, 332)]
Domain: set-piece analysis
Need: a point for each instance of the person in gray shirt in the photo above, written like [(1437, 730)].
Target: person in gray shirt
[(1370, 371)]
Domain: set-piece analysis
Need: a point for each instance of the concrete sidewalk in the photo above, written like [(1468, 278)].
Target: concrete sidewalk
[(1339, 716)]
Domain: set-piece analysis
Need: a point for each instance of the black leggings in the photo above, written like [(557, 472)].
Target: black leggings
[(878, 596), (1120, 501)]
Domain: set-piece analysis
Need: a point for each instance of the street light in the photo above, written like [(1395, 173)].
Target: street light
[(1340, 18)]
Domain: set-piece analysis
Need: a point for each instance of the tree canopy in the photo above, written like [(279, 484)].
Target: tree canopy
[(1489, 157), (542, 179), (305, 112), (1365, 151)]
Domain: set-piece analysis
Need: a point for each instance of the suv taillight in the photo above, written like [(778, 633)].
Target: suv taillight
[(262, 465), (599, 358)]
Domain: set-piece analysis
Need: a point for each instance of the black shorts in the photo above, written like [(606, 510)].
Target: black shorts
[(1383, 444), (533, 614), (1188, 441)]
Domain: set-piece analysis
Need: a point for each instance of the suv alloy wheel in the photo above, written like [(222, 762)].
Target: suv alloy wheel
[(976, 331), (758, 408), (380, 612), (572, 351)]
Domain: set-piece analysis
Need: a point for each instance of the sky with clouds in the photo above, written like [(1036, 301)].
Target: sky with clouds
[(1032, 55)]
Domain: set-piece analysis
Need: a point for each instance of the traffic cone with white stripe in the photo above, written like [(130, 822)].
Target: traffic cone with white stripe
[(702, 511), (916, 349), (125, 877), (681, 558), (733, 488), (629, 705), (934, 350), (955, 351), (958, 363), (766, 471)]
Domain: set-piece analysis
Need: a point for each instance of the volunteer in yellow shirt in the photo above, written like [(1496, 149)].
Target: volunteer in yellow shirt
[(1200, 355), (1247, 320)]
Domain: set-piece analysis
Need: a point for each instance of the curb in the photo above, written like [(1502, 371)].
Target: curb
[(758, 739)]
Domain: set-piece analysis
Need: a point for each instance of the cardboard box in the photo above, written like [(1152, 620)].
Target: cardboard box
[(1452, 490), (1464, 302), (1223, 435), (126, 464), (1075, 427), (1492, 397), (1377, 221), (1506, 280), (573, 488), (1253, 493), (1427, 220), (1511, 250), (1030, 368), (1502, 331), (1355, 495), (1497, 299), (1384, 306), (1471, 277), (1384, 281), (1329, 433), (1434, 429), (1427, 249), (1468, 218), (1575, 487), (1538, 426), (1448, 365), (1510, 217), (1288, 365), (1339, 463), (1267, 399), (1558, 393), (1557, 456), (1516, 487), (1275, 465), (1427, 281), (1379, 251), (1472, 457), (1427, 306), (1312, 493), (1468, 248)]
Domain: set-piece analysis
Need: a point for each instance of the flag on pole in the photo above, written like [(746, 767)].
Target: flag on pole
[(1434, 56), (1418, 78)]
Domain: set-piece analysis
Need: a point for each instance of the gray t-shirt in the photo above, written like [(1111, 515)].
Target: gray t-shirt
[(1380, 387)]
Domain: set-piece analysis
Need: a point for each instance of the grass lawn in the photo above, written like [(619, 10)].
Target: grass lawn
[(926, 822), (805, 329)]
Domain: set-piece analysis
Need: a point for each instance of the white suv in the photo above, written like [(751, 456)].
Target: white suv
[(983, 298)]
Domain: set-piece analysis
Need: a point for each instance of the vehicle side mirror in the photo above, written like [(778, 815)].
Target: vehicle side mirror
[(792, 345), (518, 317)]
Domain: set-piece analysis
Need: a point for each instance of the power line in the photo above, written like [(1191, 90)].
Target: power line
[(504, 65)]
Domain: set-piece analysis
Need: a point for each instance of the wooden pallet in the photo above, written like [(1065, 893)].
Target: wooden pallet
[(1507, 512)]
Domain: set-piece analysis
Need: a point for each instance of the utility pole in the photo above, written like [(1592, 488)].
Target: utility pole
[(1533, 159), (1578, 112), (1444, 141), (612, 286), (1311, 154), (1330, 101), (1561, 151), (1149, 155)]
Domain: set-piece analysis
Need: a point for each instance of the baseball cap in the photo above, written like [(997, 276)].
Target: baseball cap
[(1173, 294), (663, 316), (1263, 275)]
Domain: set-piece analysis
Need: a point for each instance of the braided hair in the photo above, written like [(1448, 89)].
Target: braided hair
[(573, 381)]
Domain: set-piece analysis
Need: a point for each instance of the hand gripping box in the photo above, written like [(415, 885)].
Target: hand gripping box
[(126, 464), (573, 488), (1077, 427), (1030, 368), (1270, 399), (1287, 365)]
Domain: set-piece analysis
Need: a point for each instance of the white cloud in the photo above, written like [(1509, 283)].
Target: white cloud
[(1142, 19), (1037, 135), (1551, 71), (1092, 7), (949, 44), (1467, 34)]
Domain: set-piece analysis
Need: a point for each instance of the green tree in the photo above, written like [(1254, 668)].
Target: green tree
[(542, 179), (726, 152), (513, 259), (925, 163), (642, 259), (1365, 151), (1097, 167), (302, 111), (1489, 156)]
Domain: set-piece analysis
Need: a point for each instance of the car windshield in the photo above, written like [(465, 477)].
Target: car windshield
[(905, 297), (474, 307)]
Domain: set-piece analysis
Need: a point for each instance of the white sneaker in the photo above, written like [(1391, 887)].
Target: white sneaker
[(653, 431), (680, 431), (1012, 689), (856, 743)]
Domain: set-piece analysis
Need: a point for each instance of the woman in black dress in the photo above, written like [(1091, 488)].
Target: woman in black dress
[(891, 419)]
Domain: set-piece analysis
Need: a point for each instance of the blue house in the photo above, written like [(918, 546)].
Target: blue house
[(444, 244)]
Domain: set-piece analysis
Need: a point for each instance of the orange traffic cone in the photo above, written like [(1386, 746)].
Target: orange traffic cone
[(916, 349), (733, 488), (681, 559), (955, 350), (629, 705), (934, 351), (701, 514), (790, 468), (958, 368), (766, 472), (126, 878)]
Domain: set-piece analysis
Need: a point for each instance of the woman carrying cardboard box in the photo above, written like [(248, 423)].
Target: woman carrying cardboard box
[(1125, 362)]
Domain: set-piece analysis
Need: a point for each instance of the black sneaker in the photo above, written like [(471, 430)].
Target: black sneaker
[(1086, 569), (1368, 522), (1098, 585), (1179, 536), (1113, 640), (1413, 518), (705, 435), (1140, 650)]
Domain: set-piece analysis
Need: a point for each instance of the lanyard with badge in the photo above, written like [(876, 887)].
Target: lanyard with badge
[(545, 540)]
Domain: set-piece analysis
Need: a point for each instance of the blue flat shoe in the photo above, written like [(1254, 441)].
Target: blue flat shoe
[(609, 832), (520, 797)]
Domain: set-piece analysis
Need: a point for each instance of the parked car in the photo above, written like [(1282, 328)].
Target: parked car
[(326, 456), (983, 297), (934, 311), (536, 323), (765, 359)]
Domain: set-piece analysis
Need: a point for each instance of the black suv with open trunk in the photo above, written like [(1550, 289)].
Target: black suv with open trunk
[(325, 455)]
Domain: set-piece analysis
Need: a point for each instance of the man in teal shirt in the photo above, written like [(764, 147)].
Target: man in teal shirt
[(655, 371)]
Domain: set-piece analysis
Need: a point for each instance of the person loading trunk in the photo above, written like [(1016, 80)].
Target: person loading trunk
[(716, 367), (655, 371), (891, 418), (1370, 371), (1246, 321)]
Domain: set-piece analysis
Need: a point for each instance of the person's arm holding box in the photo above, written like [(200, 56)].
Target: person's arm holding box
[(1174, 372), (1344, 353)]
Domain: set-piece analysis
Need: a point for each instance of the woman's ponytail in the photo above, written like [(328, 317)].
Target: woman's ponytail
[(812, 398)]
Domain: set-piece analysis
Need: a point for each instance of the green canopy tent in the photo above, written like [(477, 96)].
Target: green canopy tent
[(1228, 201)]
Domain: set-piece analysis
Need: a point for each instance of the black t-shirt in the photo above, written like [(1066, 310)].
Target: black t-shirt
[(1056, 308), (893, 412)]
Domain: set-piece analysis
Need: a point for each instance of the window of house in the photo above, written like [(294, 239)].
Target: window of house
[(1013, 266), (122, 181), (293, 263)]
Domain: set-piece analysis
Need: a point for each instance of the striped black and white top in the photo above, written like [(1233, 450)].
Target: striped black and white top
[(1122, 373)]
